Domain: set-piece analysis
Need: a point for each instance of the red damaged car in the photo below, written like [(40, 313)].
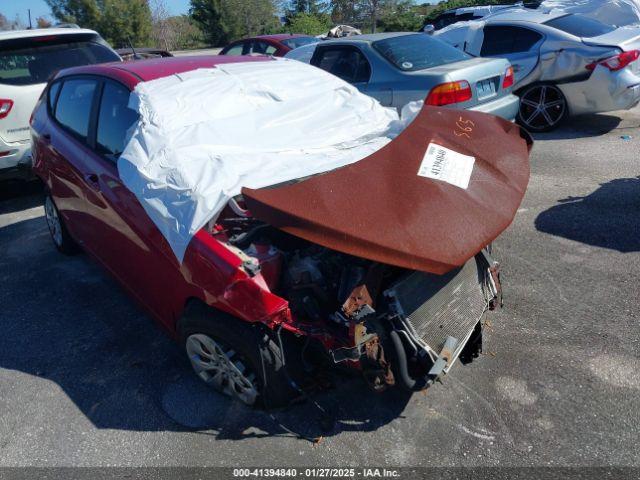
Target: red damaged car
[(372, 266)]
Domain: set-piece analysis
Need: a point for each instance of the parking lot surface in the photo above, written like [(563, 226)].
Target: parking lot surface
[(86, 378)]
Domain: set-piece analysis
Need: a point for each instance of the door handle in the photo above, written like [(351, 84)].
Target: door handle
[(92, 180)]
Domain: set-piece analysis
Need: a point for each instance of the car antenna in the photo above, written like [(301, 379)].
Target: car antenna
[(133, 50)]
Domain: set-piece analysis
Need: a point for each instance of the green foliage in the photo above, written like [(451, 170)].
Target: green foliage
[(222, 21), (403, 17), (309, 24), (116, 20)]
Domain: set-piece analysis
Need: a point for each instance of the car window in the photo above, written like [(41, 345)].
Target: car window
[(235, 50), (349, 64), (296, 42), (73, 108), (444, 20), (580, 26), (262, 48), (502, 40), (25, 63), (52, 95), (417, 52), (114, 119)]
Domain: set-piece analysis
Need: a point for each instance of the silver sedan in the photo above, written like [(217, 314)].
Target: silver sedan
[(397, 68), (564, 63)]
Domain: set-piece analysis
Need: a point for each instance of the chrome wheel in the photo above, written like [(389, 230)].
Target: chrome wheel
[(53, 221), (221, 368), (542, 107)]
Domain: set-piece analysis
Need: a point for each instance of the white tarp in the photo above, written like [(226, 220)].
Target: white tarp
[(205, 134)]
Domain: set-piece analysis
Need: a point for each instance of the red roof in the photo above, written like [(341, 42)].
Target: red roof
[(145, 70), (282, 36)]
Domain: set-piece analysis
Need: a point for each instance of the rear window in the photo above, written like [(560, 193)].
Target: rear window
[(417, 52), (296, 42), (580, 26), (28, 62)]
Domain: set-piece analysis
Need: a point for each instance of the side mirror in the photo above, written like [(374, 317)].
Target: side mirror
[(428, 29)]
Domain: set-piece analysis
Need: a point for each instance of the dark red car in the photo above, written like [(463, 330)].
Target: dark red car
[(369, 266), (277, 45)]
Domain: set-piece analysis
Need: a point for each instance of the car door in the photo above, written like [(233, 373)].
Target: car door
[(70, 102), (123, 236), (519, 45), (351, 65)]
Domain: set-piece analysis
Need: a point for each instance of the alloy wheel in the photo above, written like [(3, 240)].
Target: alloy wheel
[(53, 221), (221, 368), (542, 107)]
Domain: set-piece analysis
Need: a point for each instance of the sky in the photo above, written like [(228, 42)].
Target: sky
[(9, 8)]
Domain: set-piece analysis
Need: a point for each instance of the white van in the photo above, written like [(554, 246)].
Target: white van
[(27, 59)]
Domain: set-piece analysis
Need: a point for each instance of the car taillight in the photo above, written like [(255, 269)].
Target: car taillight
[(5, 107), (508, 78), (448, 93), (617, 62)]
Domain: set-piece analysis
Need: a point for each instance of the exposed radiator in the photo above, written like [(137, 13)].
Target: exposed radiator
[(439, 306)]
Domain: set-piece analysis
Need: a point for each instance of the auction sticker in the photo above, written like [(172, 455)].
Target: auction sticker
[(444, 164)]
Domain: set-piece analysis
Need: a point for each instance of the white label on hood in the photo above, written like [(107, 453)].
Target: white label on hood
[(441, 163)]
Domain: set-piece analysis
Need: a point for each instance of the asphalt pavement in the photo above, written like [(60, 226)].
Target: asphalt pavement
[(87, 379)]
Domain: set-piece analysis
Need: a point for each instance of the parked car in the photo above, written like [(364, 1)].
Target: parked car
[(464, 14), (277, 45), (141, 53), (328, 267), (564, 64), (27, 59), (397, 68)]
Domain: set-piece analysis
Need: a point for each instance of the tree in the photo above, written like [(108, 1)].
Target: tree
[(309, 24), (312, 7), (222, 21), (118, 21), (403, 17), (43, 22)]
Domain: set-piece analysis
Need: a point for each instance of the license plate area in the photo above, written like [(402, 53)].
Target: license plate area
[(487, 88)]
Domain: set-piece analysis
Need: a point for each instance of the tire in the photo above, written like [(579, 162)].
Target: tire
[(59, 233), (254, 372), (543, 107)]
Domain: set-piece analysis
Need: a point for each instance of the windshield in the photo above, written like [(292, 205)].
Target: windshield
[(296, 42), (417, 52), (580, 26), (29, 64)]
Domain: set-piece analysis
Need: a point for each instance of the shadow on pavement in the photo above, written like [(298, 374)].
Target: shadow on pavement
[(16, 195), (583, 126), (607, 218), (65, 321)]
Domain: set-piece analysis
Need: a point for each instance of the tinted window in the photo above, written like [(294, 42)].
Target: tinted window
[(444, 20), (235, 50), (296, 42), (262, 48), (505, 40), (580, 26), (349, 64), (417, 52), (114, 119), (53, 92), (74, 105), (23, 63)]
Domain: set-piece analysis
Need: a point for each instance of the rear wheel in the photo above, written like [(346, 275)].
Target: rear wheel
[(59, 234), (236, 358), (542, 107)]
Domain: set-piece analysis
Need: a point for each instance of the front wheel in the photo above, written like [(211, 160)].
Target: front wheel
[(542, 107), (236, 359)]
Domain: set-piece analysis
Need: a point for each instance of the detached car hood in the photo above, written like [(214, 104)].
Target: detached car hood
[(381, 209)]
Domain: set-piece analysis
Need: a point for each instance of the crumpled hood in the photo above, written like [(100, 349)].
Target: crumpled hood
[(386, 208)]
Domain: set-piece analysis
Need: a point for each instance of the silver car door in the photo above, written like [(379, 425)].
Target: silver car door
[(519, 45)]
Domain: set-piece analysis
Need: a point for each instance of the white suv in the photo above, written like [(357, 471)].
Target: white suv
[(27, 59)]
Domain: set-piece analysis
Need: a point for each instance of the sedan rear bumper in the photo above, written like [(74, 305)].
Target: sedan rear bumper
[(505, 107)]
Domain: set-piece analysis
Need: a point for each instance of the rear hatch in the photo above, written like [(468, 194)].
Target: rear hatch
[(27, 63)]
